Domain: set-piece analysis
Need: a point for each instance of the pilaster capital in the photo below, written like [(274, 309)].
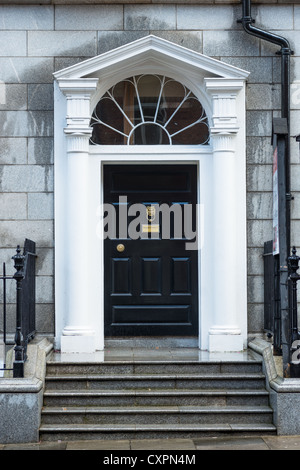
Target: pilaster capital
[(78, 93), (78, 86), (223, 140), (224, 85), (224, 92), (78, 139)]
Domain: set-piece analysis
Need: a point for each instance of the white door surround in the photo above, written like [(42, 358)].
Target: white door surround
[(221, 191)]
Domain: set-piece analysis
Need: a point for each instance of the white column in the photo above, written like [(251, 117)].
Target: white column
[(225, 331), (78, 334)]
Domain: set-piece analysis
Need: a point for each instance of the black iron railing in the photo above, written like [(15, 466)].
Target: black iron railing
[(272, 314), (275, 317), (295, 336), (24, 276), (4, 278)]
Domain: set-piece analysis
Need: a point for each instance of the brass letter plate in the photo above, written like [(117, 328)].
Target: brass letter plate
[(150, 228)]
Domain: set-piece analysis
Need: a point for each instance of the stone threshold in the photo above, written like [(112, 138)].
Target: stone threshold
[(151, 342)]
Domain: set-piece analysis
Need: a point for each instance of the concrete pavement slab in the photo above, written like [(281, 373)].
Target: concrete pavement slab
[(282, 442), (243, 443), (98, 445), (163, 444), (36, 446)]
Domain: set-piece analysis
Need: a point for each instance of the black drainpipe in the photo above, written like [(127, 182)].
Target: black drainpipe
[(284, 188), (285, 52)]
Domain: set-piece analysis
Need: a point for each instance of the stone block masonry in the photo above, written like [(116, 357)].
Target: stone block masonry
[(40, 37), (26, 157)]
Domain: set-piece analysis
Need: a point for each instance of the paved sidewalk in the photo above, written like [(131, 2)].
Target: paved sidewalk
[(185, 445)]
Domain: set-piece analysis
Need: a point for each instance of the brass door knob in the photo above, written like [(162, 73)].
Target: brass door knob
[(120, 248)]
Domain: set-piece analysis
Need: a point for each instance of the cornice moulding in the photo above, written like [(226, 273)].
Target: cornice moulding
[(151, 48), (77, 85)]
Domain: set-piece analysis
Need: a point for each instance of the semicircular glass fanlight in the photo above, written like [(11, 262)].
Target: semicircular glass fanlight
[(149, 110)]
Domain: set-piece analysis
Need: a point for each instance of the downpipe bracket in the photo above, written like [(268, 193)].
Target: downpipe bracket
[(285, 51), (247, 19)]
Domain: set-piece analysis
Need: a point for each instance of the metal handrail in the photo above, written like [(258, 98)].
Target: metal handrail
[(25, 317), (4, 278)]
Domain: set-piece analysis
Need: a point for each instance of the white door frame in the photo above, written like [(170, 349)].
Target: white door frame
[(145, 156), (221, 183)]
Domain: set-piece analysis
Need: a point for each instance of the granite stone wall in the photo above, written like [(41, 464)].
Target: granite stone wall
[(36, 40)]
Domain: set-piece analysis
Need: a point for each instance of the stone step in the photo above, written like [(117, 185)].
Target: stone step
[(157, 415), (154, 399), (55, 368), (162, 397), (148, 381), (62, 432)]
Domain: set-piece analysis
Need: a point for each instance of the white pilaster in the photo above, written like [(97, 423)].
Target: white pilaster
[(78, 334), (225, 331)]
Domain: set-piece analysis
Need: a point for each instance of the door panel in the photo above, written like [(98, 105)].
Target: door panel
[(121, 276), (151, 276), (151, 288), (150, 315), (181, 276)]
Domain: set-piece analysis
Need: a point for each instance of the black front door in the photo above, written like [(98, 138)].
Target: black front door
[(151, 279)]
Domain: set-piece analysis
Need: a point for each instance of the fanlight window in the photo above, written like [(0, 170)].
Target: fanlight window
[(149, 110)]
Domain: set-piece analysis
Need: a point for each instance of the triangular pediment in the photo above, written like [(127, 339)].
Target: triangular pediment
[(151, 51)]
